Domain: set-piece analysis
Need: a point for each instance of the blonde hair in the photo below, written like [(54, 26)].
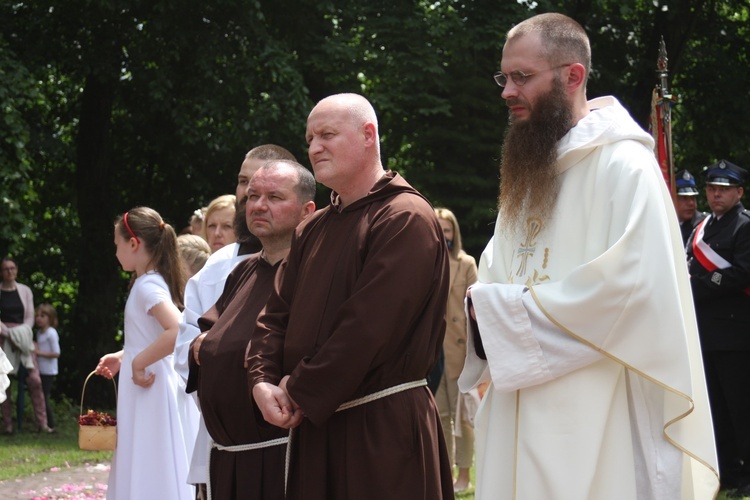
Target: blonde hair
[(220, 203), (48, 311), (194, 251), (197, 216), (445, 214)]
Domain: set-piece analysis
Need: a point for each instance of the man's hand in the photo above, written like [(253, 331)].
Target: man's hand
[(282, 386), (197, 347), (276, 406), (470, 305)]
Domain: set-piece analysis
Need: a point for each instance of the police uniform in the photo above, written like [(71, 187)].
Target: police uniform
[(685, 186), (720, 278)]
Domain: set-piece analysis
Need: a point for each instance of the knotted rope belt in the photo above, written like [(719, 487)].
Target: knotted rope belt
[(237, 448), (288, 440), (351, 404)]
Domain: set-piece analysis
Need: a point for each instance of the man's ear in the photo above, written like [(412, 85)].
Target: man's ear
[(368, 130), (308, 209), (576, 77)]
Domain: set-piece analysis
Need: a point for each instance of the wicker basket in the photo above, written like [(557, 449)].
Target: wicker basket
[(97, 437)]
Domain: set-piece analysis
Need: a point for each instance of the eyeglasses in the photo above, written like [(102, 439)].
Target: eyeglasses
[(8, 269), (519, 78)]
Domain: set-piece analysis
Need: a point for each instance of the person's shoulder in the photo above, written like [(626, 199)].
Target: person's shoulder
[(151, 279), (223, 254), (218, 264), (743, 216), (250, 261), (406, 209), (317, 215), (631, 154), (314, 220), (23, 288), (407, 199), (697, 219), (466, 258), (393, 192)]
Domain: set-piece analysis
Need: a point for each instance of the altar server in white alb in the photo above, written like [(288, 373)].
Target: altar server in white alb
[(582, 318)]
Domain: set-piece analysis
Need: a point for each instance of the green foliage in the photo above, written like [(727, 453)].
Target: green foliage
[(17, 96)]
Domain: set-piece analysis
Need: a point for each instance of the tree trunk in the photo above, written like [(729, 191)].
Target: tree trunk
[(96, 315)]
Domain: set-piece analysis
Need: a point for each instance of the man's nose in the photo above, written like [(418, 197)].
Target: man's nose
[(510, 90), (314, 147), (260, 204)]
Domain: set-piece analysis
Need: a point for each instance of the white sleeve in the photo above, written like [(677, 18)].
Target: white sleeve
[(188, 326), (153, 291), (523, 347), (201, 292), (54, 341)]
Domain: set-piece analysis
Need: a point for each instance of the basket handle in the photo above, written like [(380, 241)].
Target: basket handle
[(83, 391)]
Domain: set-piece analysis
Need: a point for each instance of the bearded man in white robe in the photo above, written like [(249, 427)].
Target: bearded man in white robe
[(583, 318)]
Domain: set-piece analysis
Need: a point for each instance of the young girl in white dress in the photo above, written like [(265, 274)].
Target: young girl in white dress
[(151, 459)]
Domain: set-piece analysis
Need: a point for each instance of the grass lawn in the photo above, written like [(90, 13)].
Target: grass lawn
[(30, 452)]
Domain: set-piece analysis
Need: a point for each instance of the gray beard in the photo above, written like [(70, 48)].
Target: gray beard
[(528, 171)]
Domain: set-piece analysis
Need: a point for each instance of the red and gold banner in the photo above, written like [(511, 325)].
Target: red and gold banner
[(658, 126)]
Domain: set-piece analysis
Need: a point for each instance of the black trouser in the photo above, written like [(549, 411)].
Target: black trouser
[(728, 378), (47, 381)]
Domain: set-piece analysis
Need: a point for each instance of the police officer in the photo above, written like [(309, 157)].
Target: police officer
[(719, 263), (686, 204)]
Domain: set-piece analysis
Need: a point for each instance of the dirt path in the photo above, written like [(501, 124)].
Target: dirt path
[(83, 482)]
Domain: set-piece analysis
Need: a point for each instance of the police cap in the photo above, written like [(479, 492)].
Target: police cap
[(685, 183), (724, 173)]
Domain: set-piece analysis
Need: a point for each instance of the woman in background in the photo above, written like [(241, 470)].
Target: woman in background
[(17, 338), (218, 225), (456, 409)]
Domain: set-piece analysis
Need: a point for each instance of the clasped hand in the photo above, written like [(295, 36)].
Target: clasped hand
[(277, 407), (141, 378)]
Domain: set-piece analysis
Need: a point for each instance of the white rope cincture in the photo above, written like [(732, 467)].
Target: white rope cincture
[(382, 394), (351, 404), (251, 446), (238, 448)]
